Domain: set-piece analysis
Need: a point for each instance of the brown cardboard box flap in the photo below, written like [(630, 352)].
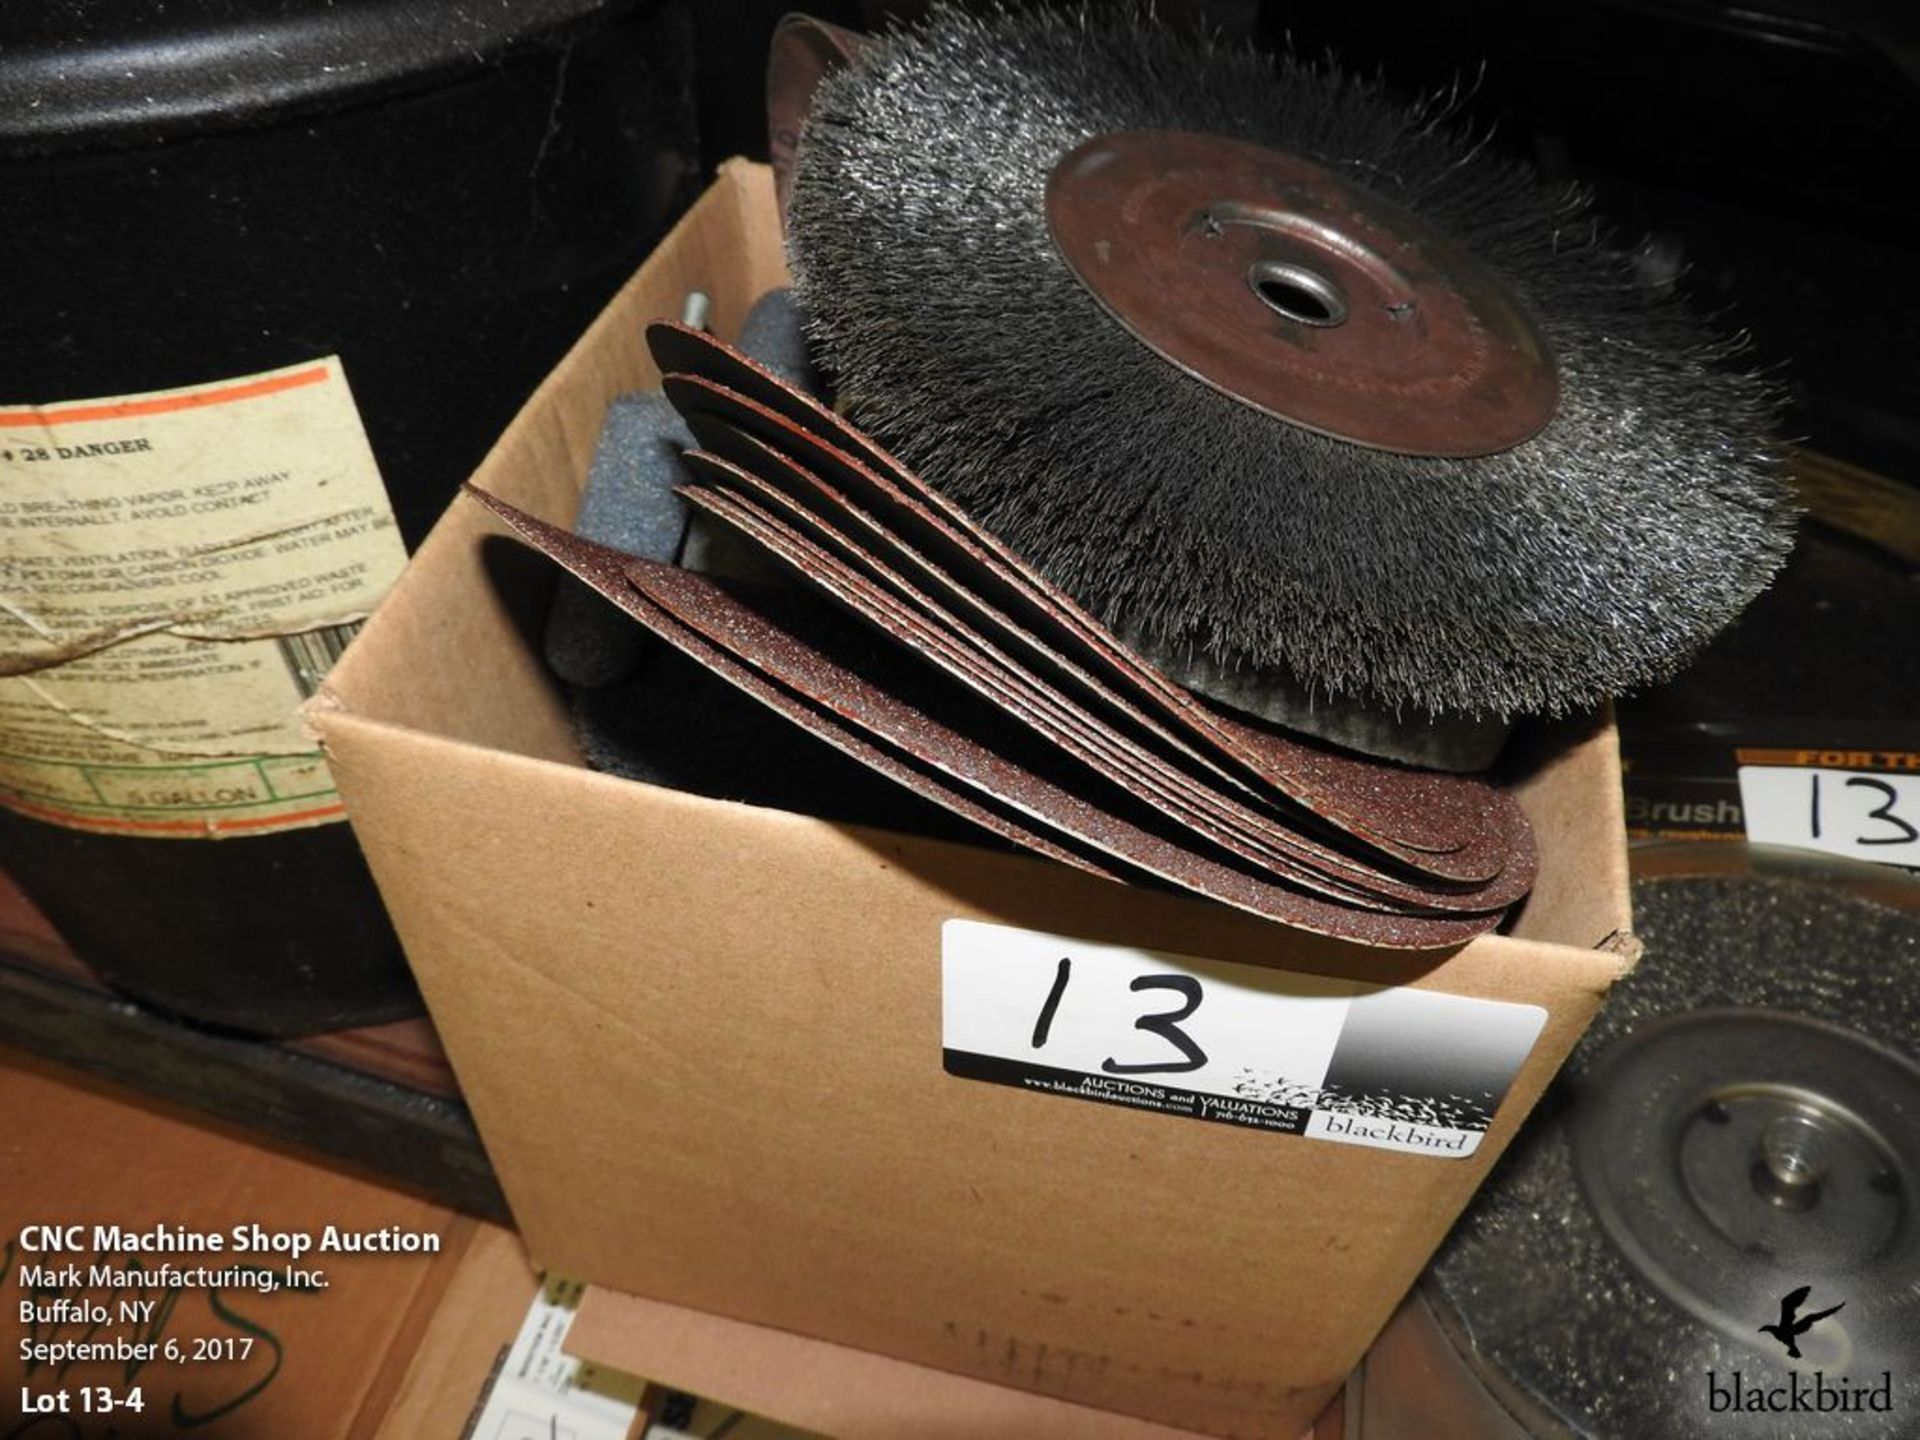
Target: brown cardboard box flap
[(847, 1394)]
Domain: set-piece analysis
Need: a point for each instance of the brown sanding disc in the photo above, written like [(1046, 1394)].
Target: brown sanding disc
[(682, 607), (1455, 828), (755, 502)]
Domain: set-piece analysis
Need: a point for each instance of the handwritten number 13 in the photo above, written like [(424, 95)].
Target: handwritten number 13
[(1164, 1023), (1908, 834)]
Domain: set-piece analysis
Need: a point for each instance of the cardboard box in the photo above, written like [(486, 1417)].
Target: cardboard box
[(703, 1040), (832, 1390)]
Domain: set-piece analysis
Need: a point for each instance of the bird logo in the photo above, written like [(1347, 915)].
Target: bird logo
[(1793, 1324)]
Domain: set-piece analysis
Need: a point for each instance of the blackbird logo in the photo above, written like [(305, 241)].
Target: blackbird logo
[(1803, 1393), (1793, 1324)]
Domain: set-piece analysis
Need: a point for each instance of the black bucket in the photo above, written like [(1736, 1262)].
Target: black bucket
[(440, 194)]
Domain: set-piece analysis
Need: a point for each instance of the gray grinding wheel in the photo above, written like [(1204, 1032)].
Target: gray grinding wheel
[(1742, 1121)]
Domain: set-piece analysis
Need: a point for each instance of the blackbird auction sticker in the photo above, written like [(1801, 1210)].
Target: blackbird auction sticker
[(1391, 1067)]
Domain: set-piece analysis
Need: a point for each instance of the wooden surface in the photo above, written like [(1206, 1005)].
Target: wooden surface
[(307, 1362), (382, 1099)]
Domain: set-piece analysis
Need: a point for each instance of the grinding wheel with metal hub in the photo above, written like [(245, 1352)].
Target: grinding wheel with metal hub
[(1333, 415), (1725, 1178), (1733, 1155)]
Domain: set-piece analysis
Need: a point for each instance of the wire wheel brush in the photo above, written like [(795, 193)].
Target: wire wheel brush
[(1303, 392)]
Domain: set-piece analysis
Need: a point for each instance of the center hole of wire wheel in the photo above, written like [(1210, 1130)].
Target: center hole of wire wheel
[(1303, 296)]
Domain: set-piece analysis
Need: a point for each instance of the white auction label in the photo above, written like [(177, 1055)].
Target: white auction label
[(1841, 812), (1391, 1067), (543, 1393)]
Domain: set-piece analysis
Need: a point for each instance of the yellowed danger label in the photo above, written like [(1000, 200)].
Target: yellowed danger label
[(177, 571)]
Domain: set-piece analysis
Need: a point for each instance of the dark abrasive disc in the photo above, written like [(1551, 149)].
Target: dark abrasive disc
[(1737, 1139)]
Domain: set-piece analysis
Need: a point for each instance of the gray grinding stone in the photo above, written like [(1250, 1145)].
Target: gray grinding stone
[(775, 335), (628, 503)]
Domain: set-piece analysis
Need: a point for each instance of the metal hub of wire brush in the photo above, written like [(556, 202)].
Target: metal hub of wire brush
[(1312, 300), (1735, 1154)]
